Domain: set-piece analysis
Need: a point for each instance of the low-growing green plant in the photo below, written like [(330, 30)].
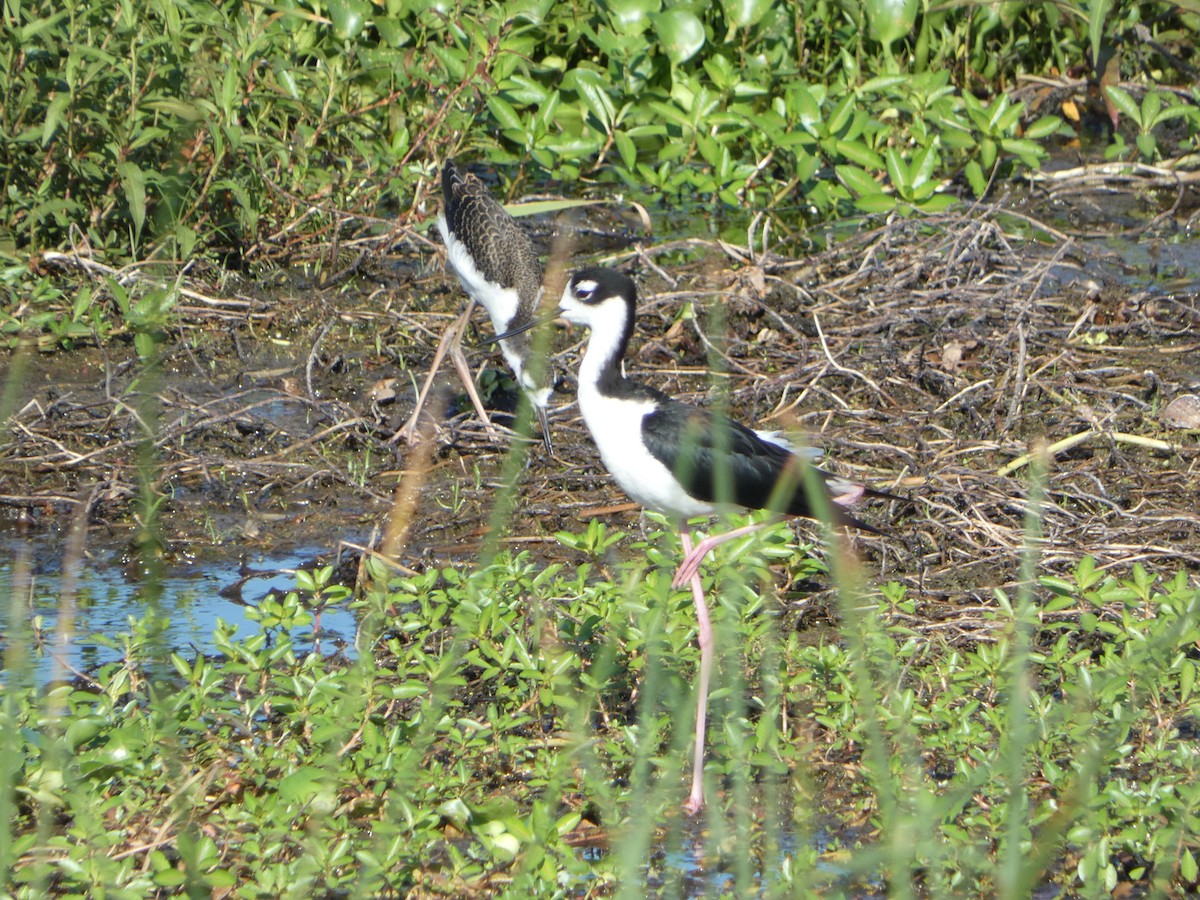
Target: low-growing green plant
[(1156, 109), (165, 130), (496, 716), (594, 541), (996, 127)]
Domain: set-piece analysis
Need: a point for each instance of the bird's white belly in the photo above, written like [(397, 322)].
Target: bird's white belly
[(616, 427), (500, 302)]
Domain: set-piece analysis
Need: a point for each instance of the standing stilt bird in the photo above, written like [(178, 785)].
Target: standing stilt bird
[(678, 459), (498, 267)]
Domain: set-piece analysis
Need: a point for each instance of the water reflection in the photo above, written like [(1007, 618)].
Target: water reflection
[(51, 640)]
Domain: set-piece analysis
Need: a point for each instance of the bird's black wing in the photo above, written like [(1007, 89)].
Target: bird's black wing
[(718, 459), (704, 448)]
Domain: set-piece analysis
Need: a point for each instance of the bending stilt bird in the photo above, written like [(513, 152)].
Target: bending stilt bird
[(498, 267)]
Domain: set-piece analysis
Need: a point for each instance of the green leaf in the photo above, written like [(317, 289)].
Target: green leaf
[(1151, 104), (1043, 127), (976, 178), (745, 13), (170, 878), (922, 193), (631, 17), (453, 59), (1123, 102), (805, 106), (924, 165), (82, 730), (883, 84), (953, 139), (42, 24), (1058, 604), (1005, 115), (720, 71), (504, 114), (1097, 11), (626, 148), (349, 17), (897, 171), (890, 20), (567, 823), (54, 116), (590, 87), (547, 113), (876, 203), (841, 114), (302, 784), (408, 690), (1029, 152), (1175, 112), (987, 153), (858, 181), (1188, 869), (180, 109), (525, 90), (860, 154), (394, 31), (1146, 144), (532, 11), (680, 33), (1085, 573), (543, 207), (1062, 586), (806, 165), (231, 86), (133, 180)]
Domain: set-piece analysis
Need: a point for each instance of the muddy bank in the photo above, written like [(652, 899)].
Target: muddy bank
[(926, 357)]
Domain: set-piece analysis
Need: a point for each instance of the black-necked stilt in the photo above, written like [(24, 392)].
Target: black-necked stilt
[(678, 459), (498, 267)]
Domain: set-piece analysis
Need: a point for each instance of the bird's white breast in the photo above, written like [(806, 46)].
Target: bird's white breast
[(500, 302), (616, 427)]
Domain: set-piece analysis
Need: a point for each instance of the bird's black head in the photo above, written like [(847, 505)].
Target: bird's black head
[(595, 294), (605, 301)]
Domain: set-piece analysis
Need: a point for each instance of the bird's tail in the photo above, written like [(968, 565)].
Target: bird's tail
[(844, 493)]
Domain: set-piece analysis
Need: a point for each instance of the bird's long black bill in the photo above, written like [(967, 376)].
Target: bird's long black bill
[(513, 332), (544, 422)]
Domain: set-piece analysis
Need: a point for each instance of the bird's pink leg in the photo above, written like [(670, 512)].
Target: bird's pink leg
[(693, 557), (695, 801), (468, 380), (451, 343)]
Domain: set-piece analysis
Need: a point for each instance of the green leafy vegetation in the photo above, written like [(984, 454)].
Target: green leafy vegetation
[(498, 721), (508, 728), (155, 132)]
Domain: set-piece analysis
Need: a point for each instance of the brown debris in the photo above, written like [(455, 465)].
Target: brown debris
[(927, 357)]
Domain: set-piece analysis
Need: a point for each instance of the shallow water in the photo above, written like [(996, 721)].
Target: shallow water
[(61, 639)]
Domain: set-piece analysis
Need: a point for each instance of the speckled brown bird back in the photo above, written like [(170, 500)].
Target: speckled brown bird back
[(502, 251)]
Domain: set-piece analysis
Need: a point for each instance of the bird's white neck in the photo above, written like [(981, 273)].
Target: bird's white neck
[(601, 366)]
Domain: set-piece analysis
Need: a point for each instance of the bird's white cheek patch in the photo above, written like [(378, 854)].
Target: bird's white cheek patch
[(572, 310)]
